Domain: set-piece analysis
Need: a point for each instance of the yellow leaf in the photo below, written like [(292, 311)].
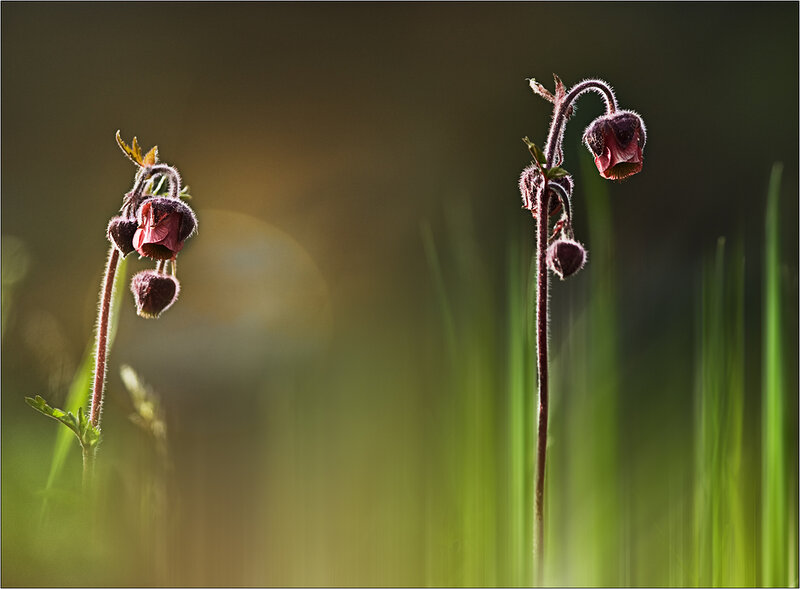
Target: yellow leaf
[(128, 151), (137, 151), (151, 157)]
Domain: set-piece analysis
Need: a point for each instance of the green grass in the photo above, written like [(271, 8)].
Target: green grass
[(599, 509), (775, 540), (416, 467), (721, 540)]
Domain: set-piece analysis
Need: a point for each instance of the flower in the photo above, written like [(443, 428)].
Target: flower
[(154, 292), (565, 257), (616, 141), (531, 180), (164, 224), (120, 232)]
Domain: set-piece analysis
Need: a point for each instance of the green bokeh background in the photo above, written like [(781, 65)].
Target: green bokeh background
[(346, 377)]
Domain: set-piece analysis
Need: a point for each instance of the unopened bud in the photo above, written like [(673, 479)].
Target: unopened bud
[(565, 257), (531, 180), (154, 293), (120, 233)]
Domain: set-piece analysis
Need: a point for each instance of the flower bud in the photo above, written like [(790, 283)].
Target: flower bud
[(164, 224), (154, 293), (120, 233), (616, 141), (565, 257), (529, 183)]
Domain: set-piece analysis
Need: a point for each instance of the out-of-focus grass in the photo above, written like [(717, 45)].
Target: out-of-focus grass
[(491, 385), (597, 531), (776, 546), (16, 260), (404, 455), (721, 538), (471, 432)]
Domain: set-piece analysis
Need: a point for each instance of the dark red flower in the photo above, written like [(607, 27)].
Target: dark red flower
[(164, 224), (154, 292), (617, 141), (565, 257)]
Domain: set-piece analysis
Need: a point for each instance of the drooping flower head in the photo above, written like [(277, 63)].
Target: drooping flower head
[(565, 257), (617, 140), (163, 225), (154, 293)]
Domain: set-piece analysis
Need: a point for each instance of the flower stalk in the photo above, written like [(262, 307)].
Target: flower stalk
[(154, 222), (616, 139), (102, 337)]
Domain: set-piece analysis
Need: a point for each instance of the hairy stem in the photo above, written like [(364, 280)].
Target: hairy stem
[(542, 208), (102, 338), (562, 109), (136, 196), (171, 173)]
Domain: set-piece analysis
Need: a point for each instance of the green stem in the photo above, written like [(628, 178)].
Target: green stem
[(88, 465)]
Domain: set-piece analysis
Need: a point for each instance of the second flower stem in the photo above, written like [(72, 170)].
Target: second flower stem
[(542, 209)]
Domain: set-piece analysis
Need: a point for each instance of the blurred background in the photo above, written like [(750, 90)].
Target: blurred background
[(345, 388)]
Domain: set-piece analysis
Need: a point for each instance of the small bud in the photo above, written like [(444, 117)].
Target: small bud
[(529, 183), (120, 233), (164, 224), (617, 141), (154, 293), (565, 257)]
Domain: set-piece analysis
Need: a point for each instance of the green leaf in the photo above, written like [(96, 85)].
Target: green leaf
[(89, 434), (556, 172), (537, 153), (64, 417), (159, 188)]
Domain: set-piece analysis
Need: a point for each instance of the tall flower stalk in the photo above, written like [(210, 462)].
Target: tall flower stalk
[(154, 222), (616, 141)]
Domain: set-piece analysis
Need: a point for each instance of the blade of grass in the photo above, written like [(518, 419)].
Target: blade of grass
[(720, 538), (517, 515), (774, 526)]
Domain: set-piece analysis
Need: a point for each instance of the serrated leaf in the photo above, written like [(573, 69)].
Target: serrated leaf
[(151, 157), (64, 417), (556, 172), (137, 151), (88, 435), (130, 152)]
